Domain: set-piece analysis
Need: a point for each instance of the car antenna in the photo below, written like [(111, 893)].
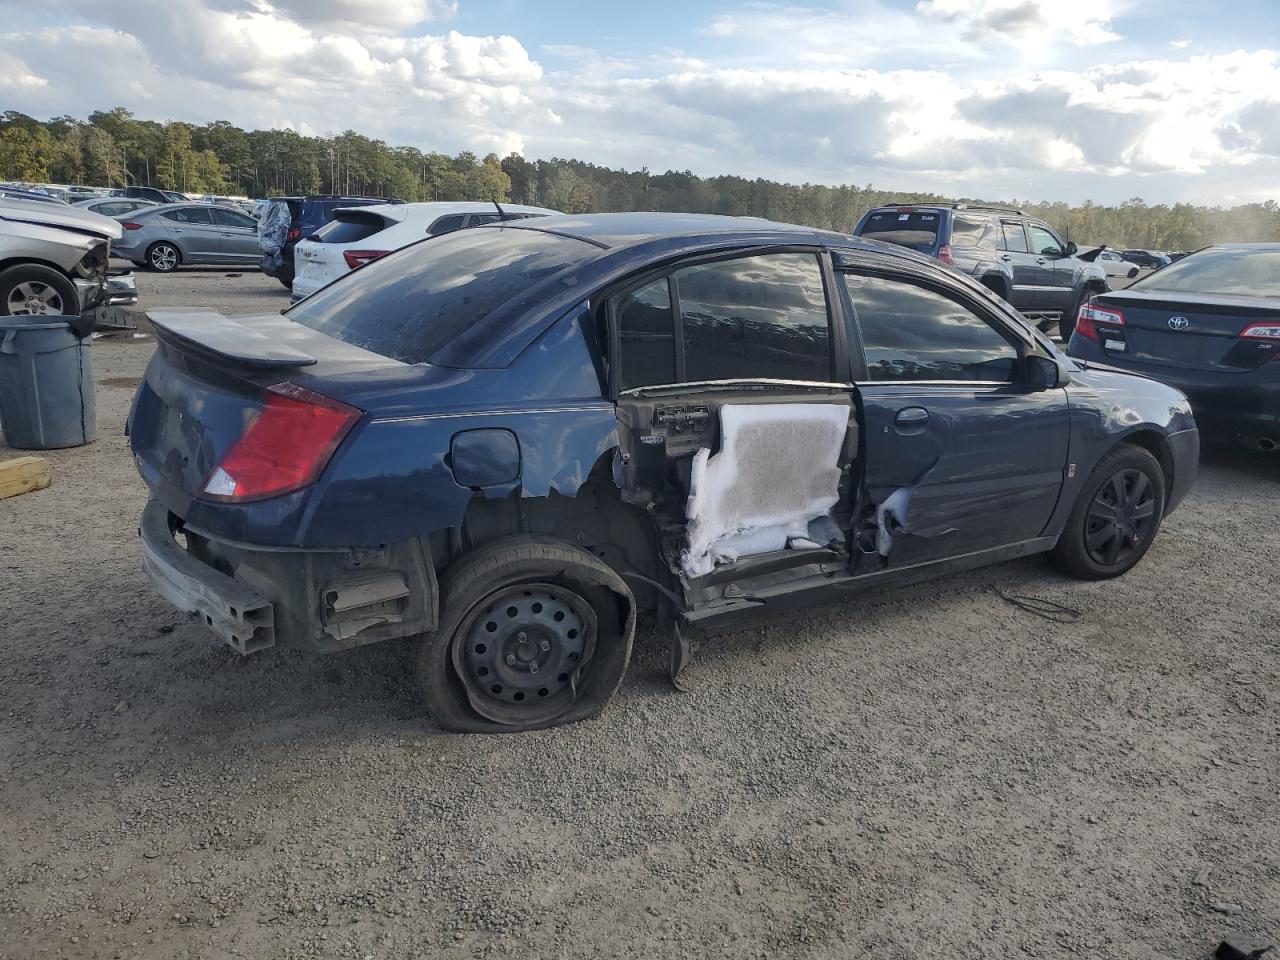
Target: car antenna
[(502, 214)]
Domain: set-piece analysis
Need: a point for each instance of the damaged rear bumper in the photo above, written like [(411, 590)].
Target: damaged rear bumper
[(322, 600), (239, 615)]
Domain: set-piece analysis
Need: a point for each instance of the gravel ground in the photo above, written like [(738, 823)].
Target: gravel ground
[(934, 774)]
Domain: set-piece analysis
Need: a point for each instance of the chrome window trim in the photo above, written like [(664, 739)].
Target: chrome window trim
[(746, 381)]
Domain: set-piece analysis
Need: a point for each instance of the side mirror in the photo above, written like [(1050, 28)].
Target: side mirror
[(1072, 249), (1043, 373)]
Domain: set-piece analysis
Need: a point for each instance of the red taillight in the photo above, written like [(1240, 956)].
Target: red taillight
[(1090, 316), (906, 209), (130, 225), (358, 258), (285, 448), (295, 233), (944, 254), (1262, 331)]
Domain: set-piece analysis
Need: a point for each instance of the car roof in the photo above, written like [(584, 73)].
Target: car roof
[(614, 230), (401, 212)]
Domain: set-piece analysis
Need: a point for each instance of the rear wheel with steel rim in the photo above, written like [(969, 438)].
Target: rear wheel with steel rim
[(31, 290), (533, 633), (1116, 516), (164, 257)]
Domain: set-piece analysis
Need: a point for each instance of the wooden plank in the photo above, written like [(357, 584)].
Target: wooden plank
[(22, 475)]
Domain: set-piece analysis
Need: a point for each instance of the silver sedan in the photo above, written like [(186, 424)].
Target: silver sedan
[(164, 238), (114, 206)]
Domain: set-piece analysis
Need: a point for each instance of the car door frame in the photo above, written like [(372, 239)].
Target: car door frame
[(226, 252), (690, 395), (1059, 272), (189, 231), (1024, 271), (868, 391)]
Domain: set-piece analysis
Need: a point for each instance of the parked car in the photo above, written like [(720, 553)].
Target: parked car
[(164, 238), (1210, 325), (290, 219), (1112, 264), (114, 206), (1018, 257), (154, 194), (18, 193), (1146, 258), (507, 439), (357, 235), (55, 260)]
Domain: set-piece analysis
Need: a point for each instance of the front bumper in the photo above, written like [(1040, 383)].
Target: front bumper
[(241, 616), (1184, 446), (104, 303)]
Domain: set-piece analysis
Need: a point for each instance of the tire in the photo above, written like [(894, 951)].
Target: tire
[(548, 623), (1084, 550), (163, 257), (286, 282), (30, 289), (1133, 273)]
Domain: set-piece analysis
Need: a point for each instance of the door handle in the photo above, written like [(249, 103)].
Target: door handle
[(1040, 261), (911, 419), (1006, 258)]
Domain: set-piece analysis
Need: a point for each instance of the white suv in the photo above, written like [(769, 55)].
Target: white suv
[(357, 235)]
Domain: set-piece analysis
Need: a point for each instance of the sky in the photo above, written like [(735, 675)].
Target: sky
[(1103, 100)]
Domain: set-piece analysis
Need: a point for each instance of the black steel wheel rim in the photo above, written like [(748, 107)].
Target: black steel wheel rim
[(1120, 517), (520, 652)]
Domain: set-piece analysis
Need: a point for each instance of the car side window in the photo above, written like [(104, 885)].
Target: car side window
[(189, 215), (761, 317), (968, 230), (646, 335), (1044, 242), (913, 333), (113, 209), (230, 218), (1015, 238), (477, 219), (447, 224)]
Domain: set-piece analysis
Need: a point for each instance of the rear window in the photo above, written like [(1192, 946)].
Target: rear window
[(410, 304), (917, 229), (1235, 272), (350, 227)]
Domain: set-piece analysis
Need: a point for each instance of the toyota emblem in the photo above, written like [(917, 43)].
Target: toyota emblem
[(1178, 323)]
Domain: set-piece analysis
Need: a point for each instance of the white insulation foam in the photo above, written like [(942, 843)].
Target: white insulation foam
[(778, 469)]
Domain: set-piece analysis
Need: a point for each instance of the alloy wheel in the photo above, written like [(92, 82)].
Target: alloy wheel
[(164, 257), (1120, 517), (33, 298)]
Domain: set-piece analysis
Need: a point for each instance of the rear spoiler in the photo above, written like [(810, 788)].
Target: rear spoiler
[(206, 331)]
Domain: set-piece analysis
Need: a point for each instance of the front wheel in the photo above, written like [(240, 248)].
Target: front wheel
[(1133, 273), (533, 633), (34, 290), (163, 257), (1116, 516)]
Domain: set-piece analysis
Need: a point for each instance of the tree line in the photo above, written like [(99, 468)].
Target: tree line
[(113, 148)]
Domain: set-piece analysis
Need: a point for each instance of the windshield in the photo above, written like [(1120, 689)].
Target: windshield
[(1220, 270), (410, 304), (917, 229)]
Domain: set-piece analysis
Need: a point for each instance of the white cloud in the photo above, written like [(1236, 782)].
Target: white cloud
[(820, 103), (1082, 22)]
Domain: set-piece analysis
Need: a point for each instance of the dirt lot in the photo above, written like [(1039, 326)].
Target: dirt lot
[(936, 774)]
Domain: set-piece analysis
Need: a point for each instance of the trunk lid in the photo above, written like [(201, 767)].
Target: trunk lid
[(317, 264), (207, 383), (1193, 331)]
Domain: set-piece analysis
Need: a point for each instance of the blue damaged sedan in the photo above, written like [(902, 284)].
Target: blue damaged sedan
[(505, 442)]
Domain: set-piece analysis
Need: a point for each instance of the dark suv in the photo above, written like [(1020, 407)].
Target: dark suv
[(306, 216), (1017, 256)]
